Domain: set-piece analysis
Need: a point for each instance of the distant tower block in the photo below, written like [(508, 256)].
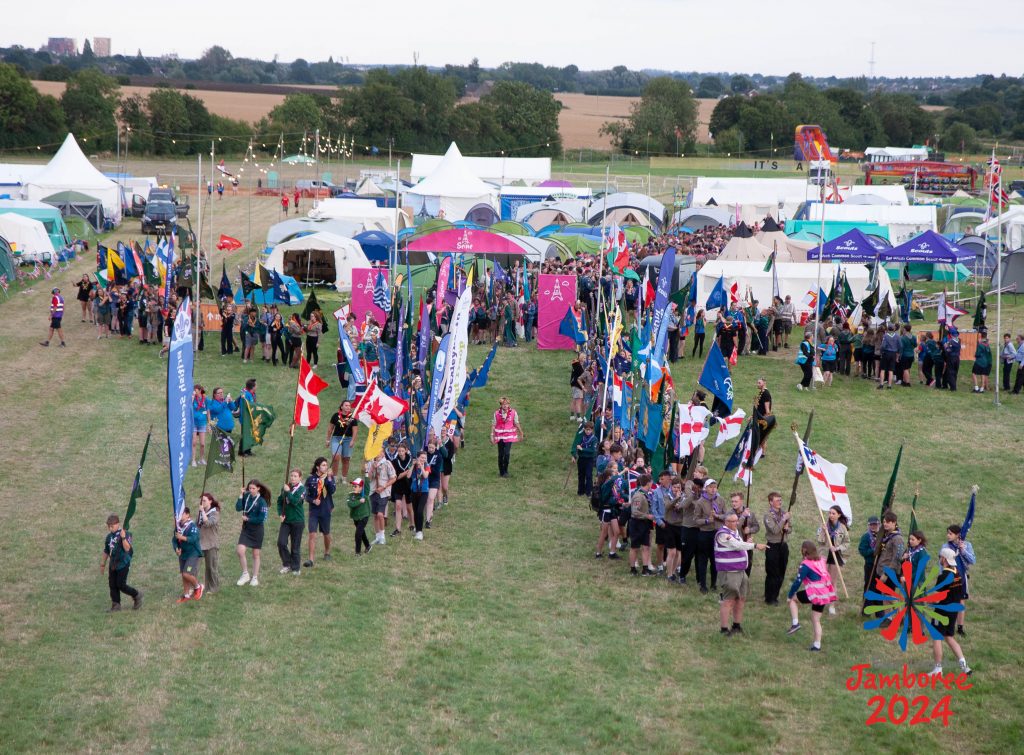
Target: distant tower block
[(101, 47)]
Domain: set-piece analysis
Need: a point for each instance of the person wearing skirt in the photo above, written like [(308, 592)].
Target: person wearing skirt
[(252, 503)]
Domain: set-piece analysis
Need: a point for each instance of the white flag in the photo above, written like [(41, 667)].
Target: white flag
[(828, 480), (729, 427)]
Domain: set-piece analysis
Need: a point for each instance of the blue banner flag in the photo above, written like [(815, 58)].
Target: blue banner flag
[(664, 286), (351, 355), (485, 371), (423, 341), (437, 381), (179, 404), (969, 519), (281, 292), (225, 291), (570, 328), (717, 297), (715, 375), (381, 294)]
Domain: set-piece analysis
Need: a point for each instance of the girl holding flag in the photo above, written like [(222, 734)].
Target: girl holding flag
[(837, 539)]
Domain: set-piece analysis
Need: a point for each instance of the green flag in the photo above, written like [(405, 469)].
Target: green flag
[(680, 297), (256, 418), (770, 263), (137, 484), (890, 490), (913, 514), (980, 311), (312, 305), (221, 455), (152, 274), (247, 285), (577, 439)]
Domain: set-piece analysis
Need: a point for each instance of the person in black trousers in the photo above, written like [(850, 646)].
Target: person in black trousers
[(293, 522), (776, 558), (698, 334), (117, 549), (227, 327), (585, 454)]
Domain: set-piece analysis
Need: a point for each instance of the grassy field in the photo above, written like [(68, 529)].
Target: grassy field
[(499, 632)]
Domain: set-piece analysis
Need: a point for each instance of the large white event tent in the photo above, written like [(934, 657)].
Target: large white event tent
[(364, 212), (1011, 225), (321, 256), (903, 222), (450, 191), (496, 170), (70, 170)]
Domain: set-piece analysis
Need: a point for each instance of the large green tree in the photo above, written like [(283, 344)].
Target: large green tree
[(90, 101), (528, 117), (169, 122), (27, 119), (664, 121)]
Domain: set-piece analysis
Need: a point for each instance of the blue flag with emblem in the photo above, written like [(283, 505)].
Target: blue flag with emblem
[(717, 297), (281, 292), (715, 376), (570, 328), (480, 380), (381, 294), (351, 356)]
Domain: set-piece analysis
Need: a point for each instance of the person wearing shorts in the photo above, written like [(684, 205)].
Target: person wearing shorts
[(818, 591), (954, 594), (380, 473), (731, 563), (341, 433), (319, 495), (401, 494), (56, 315), (673, 529), (186, 545), (640, 521)]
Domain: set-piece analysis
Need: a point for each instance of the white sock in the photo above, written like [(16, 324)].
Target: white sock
[(816, 644), (963, 662), (796, 622)]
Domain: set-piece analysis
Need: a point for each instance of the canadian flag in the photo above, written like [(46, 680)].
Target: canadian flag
[(729, 427), (376, 407), (691, 429), (307, 405), (828, 480)]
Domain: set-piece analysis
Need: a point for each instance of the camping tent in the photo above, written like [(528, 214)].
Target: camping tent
[(927, 247), (377, 246), (288, 229), (317, 257), (268, 297), (1012, 223), (697, 218), (984, 264), (6, 260), (795, 279), (852, 246), (773, 237), (743, 247), (1013, 270), (685, 266), (75, 204), (299, 160), (70, 169), (963, 220), (362, 211), (496, 170), (561, 212), (482, 215), (903, 222), (451, 189), (627, 208), (46, 214), (27, 237)]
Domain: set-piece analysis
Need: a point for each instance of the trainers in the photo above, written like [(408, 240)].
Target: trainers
[(308, 564), (936, 670), (284, 570), (182, 599), (598, 555), (799, 386), (137, 601), (661, 569), (369, 547), (960, 631), (672, 578), (724, 631), (633, 571), (419, 535), (198, 593), (703, 590), (396, 533), (255, 582), (964, 667), (814, 649), (794, 629), (328, 557), (737, 629), (613, 556), (427, 525), (62, 344), (244, 579), (296, 572), (831, 610), (44, 343), (647, 572)]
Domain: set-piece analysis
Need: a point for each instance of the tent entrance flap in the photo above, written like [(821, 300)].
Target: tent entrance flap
[(311, 267)]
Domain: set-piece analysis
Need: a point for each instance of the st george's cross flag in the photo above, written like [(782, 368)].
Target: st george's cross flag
[(828, 480), (307, 405), (691, 428), (729, 427)]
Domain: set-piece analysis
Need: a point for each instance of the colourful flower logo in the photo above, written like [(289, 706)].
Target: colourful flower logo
[(909, 612)]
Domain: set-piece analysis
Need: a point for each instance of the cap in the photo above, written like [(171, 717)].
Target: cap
[(55, 291), (954, 332), (948, 555), (357, 483), (874, 520), (710, 481)]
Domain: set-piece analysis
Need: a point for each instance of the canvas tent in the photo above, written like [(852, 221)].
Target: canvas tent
[(1013, 270), (795, 279), (75, 204), (743, 247), (1012, 224), (773, 237), (557, 212), (6, 260), (451, 190), (289, 229), (627, 208), (27, 237), (496, 170), (318, 257), (696, 218), (362, 211), (70, 170), (903, 222)]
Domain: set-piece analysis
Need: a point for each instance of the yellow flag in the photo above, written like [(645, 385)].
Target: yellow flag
[(113, 261), (375, 440), (256, 277), (616, 332)]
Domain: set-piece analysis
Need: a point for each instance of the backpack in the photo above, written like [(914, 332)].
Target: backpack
[(595, 499)]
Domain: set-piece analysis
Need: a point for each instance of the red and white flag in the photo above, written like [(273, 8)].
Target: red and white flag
[(691, 429), (745, 474), (730, 427), (228, 243), (376, 407), (307, 405), (828, 480)]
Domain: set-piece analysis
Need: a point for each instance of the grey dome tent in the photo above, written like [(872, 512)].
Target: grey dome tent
[(984, 263), (1012, 273), (75, 204)]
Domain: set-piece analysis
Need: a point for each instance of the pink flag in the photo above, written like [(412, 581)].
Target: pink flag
[(555, 294), (363, 281)]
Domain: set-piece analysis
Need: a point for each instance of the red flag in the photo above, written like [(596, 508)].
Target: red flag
[(307, 405), (377, 407), (228, 244), (734, 293), (649, 294)]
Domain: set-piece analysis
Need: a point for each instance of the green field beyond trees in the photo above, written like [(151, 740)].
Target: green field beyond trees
[(499, 632)]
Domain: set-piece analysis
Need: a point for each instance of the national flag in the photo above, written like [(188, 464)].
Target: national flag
[(281, 292), (256, 419), (776, 289), (152, 271), (247, 284), (691, 428), (498, 275), (485, 370), (376, 438), (307, 405), (228, 244), (890, 489), (569, 327), (734, 293), (651, 416), (716, 377), (729, 427), (423, 340), (828, 480), (648, 289), (355, 366), (221, 455), (749, 455), (618, 255), (381, 293), (947, 313), (377, 407), (769, 263), (136, 493), (717, 299), (810, 299), (680, 297)]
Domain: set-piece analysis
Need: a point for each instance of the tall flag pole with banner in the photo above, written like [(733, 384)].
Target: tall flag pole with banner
[(137, 483), (828, 483), (716, 377), (307, 406), (454, 374), (179, 404), (437, 380)]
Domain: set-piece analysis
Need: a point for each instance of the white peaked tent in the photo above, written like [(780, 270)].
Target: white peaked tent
[(743, 247), (323, 256), (451, 190), (26, 236), (773, 237), (70, 170)]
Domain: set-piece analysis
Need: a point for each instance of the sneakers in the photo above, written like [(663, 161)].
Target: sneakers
[(799, 386), (284, 570), (183, 599), (244, 579), (613, 556), (427, 525), (672, 578), (255, 582), (814, 649), (832, 610), (44, 343), (737, 629), (960, 631), (369, 548), (794, 629), (724, 631), (419, 536), (648, 572), (296, 572), (62, 344), (327, 557), (937, 669), (198, 593), (598, 555), (308, 564), (703, 590), (396, 533), (633, 571), (964, 667), (137, 600)]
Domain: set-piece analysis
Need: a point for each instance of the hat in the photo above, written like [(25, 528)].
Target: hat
[(357, 483), (55, 291), (948, 555), (874, 520), (710, 481), (954, 332)]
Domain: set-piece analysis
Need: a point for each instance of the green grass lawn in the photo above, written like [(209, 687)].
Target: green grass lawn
[(499, 632)]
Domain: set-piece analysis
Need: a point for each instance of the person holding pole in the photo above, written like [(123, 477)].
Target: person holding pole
[(293, 522), (319, 495), (888, 555), (341, 435), (835, 535), (777, 526)]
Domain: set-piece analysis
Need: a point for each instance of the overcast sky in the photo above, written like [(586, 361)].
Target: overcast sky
[(941, 37)]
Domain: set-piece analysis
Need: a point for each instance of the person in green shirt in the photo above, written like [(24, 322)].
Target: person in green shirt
[(186, 545), (359, 510), (293, 522), (908, 343), (982, 363)]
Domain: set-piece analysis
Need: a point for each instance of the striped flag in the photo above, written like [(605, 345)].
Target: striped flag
[(381, 294)]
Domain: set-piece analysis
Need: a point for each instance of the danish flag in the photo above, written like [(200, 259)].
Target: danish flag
[(828, 480), (307, 405)]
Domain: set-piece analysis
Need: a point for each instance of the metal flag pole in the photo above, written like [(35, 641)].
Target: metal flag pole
[(196, 315), (999, 275)]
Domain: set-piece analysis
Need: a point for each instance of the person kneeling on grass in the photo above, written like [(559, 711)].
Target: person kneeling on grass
[(731, 563), (186, 545), (818, 591), (117, 550), (359, 510)]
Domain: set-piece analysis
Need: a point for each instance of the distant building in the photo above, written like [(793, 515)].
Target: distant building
[(101, 47), (62, 46)]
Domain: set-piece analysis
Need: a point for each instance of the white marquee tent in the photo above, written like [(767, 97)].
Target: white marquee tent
[(496, 170), (70, 170), (27, 236), (450, 191), (362, 211), (321, 256), (904, 222)]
